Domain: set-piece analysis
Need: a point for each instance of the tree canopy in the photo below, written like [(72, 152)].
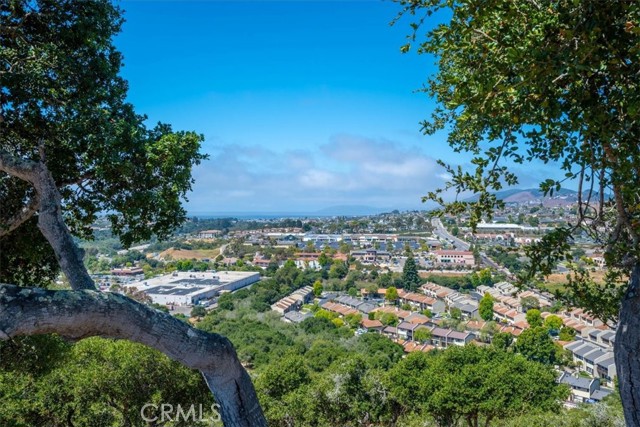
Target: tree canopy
[(72, 147), (551, 83)]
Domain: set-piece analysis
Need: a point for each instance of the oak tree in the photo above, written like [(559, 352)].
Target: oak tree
[(72, 147), (554, 83)]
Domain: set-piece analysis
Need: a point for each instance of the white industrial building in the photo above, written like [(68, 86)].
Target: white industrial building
[(188, 288)]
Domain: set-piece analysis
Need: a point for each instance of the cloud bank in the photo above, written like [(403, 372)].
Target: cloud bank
[(347, 170)]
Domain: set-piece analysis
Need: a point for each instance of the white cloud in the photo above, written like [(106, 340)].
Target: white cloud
[(347, 169)]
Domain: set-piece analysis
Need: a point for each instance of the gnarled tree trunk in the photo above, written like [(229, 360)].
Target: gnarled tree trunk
[(81, 314), (84, 312), (627, 350)]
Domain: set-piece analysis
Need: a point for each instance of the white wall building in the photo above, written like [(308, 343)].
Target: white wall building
[(188, 288)]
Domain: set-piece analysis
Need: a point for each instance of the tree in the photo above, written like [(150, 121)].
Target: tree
[(93, 382), (198, 311), (389, 319), (473, 383), (70, 148), (534, 318), (502, 340), (553, 323), (455, 313), (410, 278), (529, 302), (391, 295), (536, 344), (422, 335), (338, 270), (318, 288), (324, 260), (521, 82), (485, 307)]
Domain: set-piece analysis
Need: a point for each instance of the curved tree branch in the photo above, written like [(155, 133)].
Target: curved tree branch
[(81, 314), (18, 167), (20, 218)]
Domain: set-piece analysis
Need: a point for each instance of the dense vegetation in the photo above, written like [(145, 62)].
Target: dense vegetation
[(311, 374)]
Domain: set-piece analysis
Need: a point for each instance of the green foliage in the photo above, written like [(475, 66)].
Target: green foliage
[(317, 288), (389, 319), (422, 335), (553, 323), (473, 383), (534, 318), (536, 344), (99, 151), (502, 340), (353, 320), (225, 302), (518, 82), (95, 382), (529, 303), (485, 307), (566, 334), (391, 295), (410, 278), (338, 270), (198, 311)]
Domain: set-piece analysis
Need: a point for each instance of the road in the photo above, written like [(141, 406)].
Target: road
[(441, 231)]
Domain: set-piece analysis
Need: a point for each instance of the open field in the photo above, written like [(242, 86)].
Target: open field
[(427, 273), (197, 254), (558, 281)]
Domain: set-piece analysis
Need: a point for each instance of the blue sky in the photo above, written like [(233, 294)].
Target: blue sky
[(304, 105)]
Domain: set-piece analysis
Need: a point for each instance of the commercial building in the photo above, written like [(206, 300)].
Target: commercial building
[(188, 288)]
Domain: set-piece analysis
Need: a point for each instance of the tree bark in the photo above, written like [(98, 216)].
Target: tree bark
[(52, 226), (81, 314), (627, 350)]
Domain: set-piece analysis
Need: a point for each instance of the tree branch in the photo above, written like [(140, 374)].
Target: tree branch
[(51, 224), (18, 167), (21, 217), (81, 314)]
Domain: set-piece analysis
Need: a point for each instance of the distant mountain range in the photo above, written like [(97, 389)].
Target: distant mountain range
[(533, 195)]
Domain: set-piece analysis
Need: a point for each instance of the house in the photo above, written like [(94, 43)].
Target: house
[(417, 318), (358, 304), (303, 265), (372, 325), (295, 316), (421, 302), (209, 234), (260, 261), (411, 346), (286, 305), (436, 291), (390, 331), (341, 309), (467, 310), (606, 367), (406, 329), (293, 301), (445, 337), (595, 360), (583, 390), (128, 271)]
